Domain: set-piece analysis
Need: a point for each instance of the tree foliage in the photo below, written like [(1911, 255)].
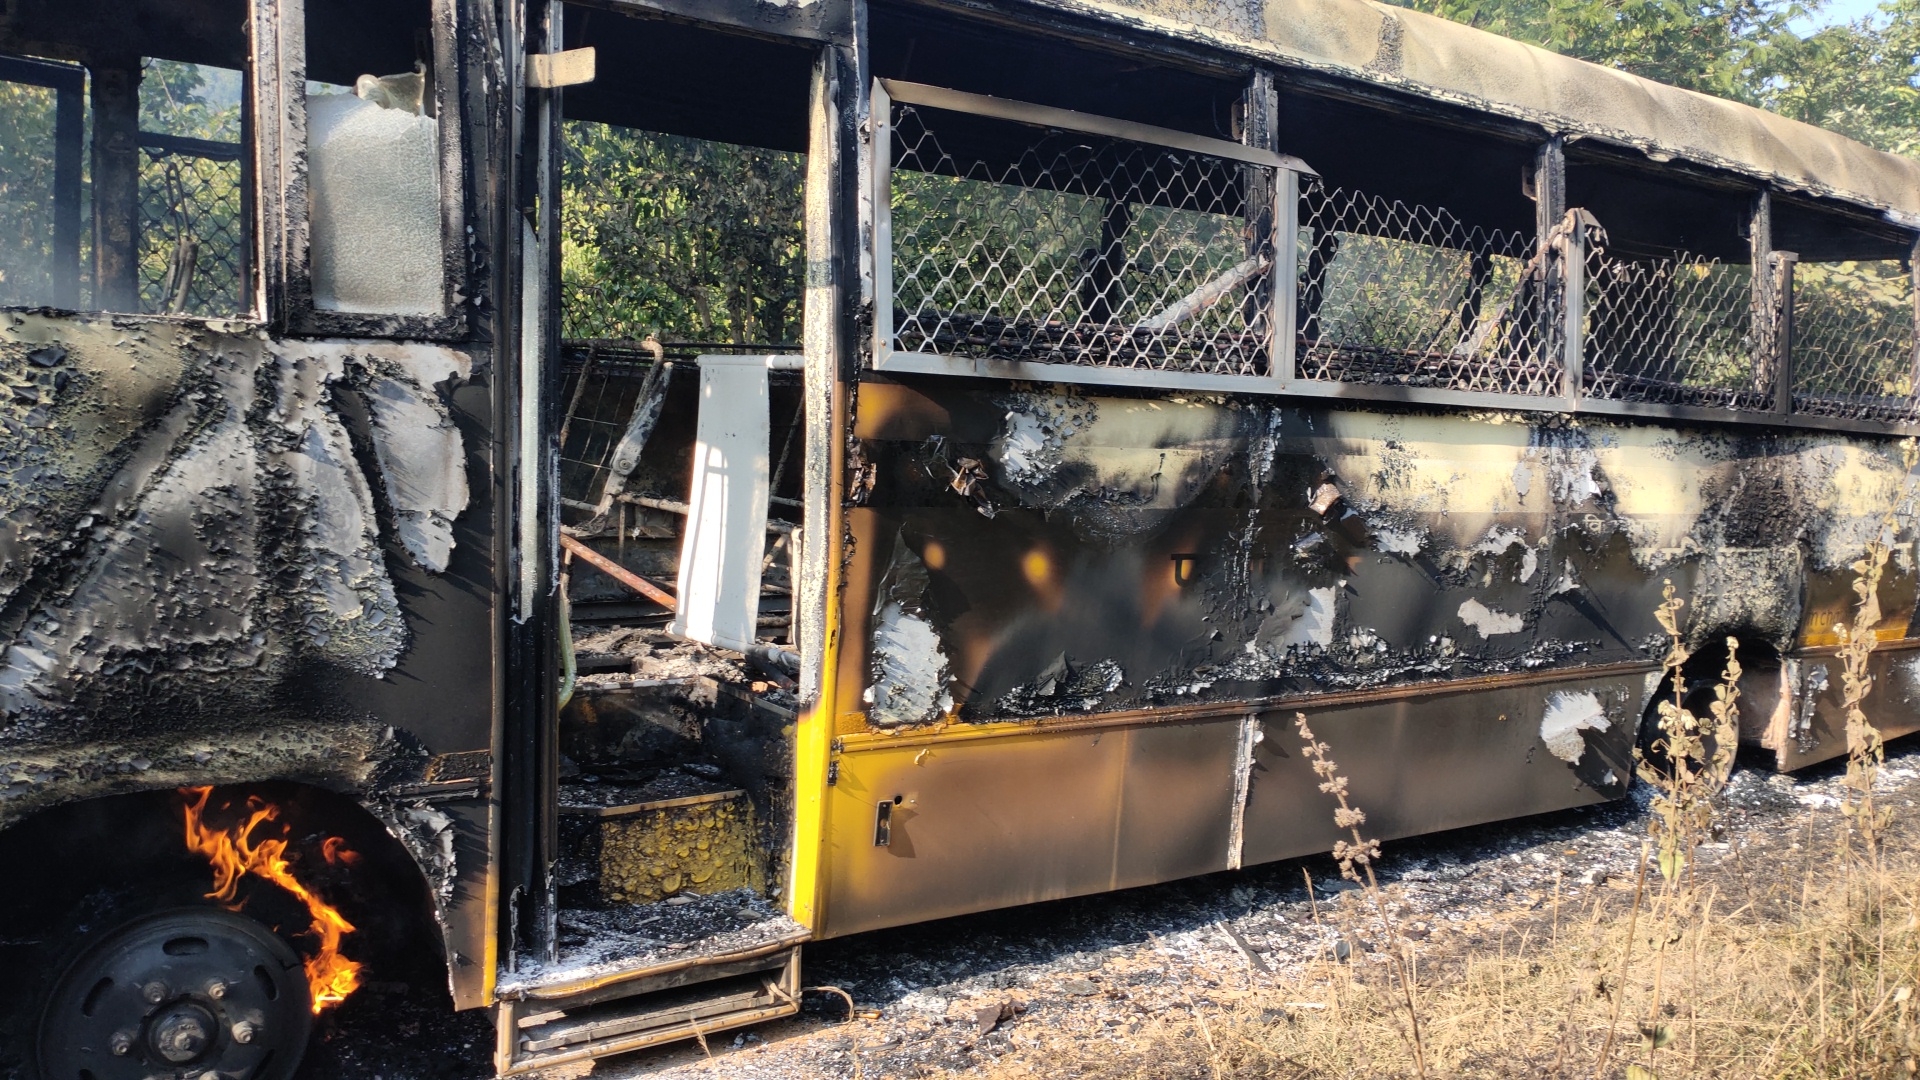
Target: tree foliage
[(1861, 79), (678, 237)]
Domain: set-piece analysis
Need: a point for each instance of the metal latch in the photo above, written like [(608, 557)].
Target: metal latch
[(548, 71)]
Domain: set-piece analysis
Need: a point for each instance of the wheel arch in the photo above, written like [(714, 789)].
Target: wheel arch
[(395, 888)]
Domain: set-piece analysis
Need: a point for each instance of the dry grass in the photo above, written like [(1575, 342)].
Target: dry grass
[(1768, 971), (1762, 967)]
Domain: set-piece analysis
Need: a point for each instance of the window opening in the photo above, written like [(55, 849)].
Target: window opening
[(1409, 295), (670, 247), (124, 185), (42, 136), (1015, 241), (193, 207), (1676, 330), (1852, 340)]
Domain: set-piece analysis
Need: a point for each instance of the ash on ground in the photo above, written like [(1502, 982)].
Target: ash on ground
[(597, 941), (957, 994)]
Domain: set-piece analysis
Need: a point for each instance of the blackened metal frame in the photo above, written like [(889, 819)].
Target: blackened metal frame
[(289, 251)]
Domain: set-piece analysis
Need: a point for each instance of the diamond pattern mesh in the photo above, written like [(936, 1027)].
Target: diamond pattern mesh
[(1853, 341), (1409, 295), (1672, 331), (193, 238), (1076, 249)]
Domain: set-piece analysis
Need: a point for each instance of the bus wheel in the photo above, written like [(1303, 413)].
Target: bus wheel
[(188, 992), (1698, 700)]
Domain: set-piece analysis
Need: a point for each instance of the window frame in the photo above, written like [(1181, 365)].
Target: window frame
[(1285, 172), (69, 219), (1565, 269), (280, 58)]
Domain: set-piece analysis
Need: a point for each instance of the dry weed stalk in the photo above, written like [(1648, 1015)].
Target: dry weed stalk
[(1865, 750), (1361, 853), (1685, 771)]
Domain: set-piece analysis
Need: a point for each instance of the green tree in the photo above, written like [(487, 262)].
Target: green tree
[(1861, 79), (26, 193), (678, 237)]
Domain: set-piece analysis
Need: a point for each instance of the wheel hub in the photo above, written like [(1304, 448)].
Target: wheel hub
[(193, 993), (181, 1033)]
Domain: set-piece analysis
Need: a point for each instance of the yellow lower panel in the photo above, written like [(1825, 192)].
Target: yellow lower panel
[(985, 823), (980, 819)]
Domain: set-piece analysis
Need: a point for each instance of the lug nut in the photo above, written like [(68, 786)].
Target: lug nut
[(216, 990), (155, 992), (121, 1044), (243, 1032)]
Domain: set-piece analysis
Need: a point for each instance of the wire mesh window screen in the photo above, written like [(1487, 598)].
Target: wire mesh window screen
[(193, 232), (1408, 295), (1022, 243), (1853, 341), (1672, 331)]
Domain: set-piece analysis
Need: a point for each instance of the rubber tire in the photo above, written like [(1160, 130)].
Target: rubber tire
[(184, 949)]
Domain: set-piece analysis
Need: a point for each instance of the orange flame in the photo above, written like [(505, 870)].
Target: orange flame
[(234, 853)]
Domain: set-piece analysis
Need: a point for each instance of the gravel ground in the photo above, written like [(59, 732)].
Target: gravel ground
[(955, 995)]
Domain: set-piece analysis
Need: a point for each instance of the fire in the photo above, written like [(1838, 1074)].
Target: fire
[(235, 852)]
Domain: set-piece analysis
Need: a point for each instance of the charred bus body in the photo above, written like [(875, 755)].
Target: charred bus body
[(1133, 376)]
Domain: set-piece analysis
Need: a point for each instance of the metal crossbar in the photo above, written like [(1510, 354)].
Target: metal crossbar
[(1407, 295), (1678, 330), (1012, 241), (1853, 341), (193, 229)]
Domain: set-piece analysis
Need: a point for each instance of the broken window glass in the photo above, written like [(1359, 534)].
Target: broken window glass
[(376, 243)]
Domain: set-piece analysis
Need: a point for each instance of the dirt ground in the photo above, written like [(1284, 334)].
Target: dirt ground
[(954, 996)]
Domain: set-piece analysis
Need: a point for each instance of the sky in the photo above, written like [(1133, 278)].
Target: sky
[(1835, 12)]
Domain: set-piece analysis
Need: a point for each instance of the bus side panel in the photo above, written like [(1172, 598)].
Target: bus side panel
[(992, 822), (1439, 760)]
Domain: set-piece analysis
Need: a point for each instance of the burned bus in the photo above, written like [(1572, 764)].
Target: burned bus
[(570, 501)]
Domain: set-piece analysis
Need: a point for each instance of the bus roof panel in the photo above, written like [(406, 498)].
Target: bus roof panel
[(1447, 61)]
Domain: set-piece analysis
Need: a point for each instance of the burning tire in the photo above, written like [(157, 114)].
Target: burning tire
[(186, 992)]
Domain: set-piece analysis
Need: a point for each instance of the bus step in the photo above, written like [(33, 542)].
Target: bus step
[(540, 1027)]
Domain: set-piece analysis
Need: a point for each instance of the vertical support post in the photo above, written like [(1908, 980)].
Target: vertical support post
[(1765, 321), (882, 171), (1913, 290), (116, 182), (844, 177), (69, 139), (1573, 314), (1286, 276), (1549, 206), (1780, 266), (1549, 188), (1271, 207)]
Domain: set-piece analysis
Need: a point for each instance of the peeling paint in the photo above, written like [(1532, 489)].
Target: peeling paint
[(908, 668), (1569, 712), (1546, 537), (427, 834), (909, 671), (1488, 621)]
